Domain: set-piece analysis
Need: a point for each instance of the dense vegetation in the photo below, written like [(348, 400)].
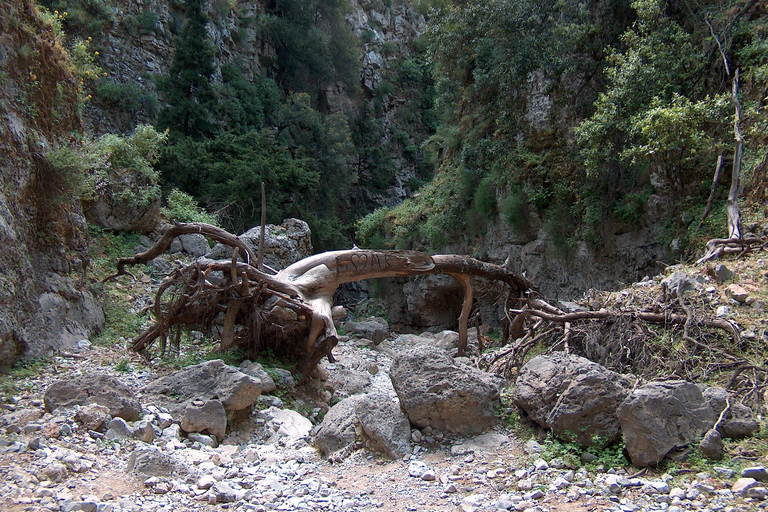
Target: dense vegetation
[(570, 116), (640, 105)]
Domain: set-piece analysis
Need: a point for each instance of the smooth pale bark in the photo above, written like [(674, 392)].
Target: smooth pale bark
[(310, 283)]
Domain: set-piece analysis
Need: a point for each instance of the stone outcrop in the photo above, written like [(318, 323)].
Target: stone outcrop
[(98, 389), (440, 393), (45, 303), (573, 396)]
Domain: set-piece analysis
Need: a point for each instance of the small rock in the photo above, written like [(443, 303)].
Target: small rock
[(742, 485), (737, 293), (532, 447), (417, 468), (722, 274), (759, 473), (712, 445)]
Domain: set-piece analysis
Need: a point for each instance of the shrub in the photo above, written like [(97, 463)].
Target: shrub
[(181, 207)]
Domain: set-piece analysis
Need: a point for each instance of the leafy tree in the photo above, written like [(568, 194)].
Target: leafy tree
[(324, 141), (245, 105), (189, 95), (225, 174)]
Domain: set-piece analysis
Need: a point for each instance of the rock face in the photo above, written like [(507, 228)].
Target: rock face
[(206, 381), (435, 391), (661, 416), (573, 396), (94, 389), (431, 302), (284, 244), (44, 302)]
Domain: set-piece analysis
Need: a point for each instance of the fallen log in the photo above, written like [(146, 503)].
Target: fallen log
[(306, 287)]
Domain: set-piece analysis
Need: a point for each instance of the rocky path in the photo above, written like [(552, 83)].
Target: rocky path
[(51, 461)]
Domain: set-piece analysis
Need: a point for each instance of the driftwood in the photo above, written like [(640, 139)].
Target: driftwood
[(259, 302)]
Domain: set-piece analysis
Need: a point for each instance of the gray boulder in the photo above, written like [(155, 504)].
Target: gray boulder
[(149, 460), (738, 422), (373, 328), (194, 244), (257, 371), (662, 416), (209, 417), (680, 281), (287, 243), (97, 388), (337, 431), (347, 382), (573, 396), (206, 381), (384, 425), (438, 392)]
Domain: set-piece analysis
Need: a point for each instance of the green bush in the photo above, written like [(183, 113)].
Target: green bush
[(181, 207)]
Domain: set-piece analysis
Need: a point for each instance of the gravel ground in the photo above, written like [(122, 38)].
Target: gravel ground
[(50, 462)]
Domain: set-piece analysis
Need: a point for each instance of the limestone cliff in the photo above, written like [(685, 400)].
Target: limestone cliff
[(43, 303)]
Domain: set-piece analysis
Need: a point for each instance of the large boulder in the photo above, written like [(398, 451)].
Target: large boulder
[(96, 388), (384, 425), (373, 328), (287, 243), (662, 416), (375, 419), (573, 396), (337, 431), (206, 381), (438, 392)]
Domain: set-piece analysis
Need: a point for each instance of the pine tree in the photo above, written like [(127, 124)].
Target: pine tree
[(189, 96)]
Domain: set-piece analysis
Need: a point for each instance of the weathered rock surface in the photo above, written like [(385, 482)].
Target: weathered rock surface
[(438, 392), (346, 382), (148, 460), (738, 422), (661, 416), (257, 371), (284, 244), (573, 396), (384, 425), (205, 381), (209, 417), (337, 431), (373, 328), (123, 215), (99, 389)]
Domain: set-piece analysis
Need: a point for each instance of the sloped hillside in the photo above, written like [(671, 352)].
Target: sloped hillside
[(44, 303)]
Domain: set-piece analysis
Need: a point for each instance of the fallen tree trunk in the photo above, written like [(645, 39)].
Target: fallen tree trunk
[(248, 296)]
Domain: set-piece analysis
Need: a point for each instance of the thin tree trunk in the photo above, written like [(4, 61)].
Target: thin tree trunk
[(732, 206)]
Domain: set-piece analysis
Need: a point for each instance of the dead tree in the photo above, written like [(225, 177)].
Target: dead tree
[(298, 298)]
